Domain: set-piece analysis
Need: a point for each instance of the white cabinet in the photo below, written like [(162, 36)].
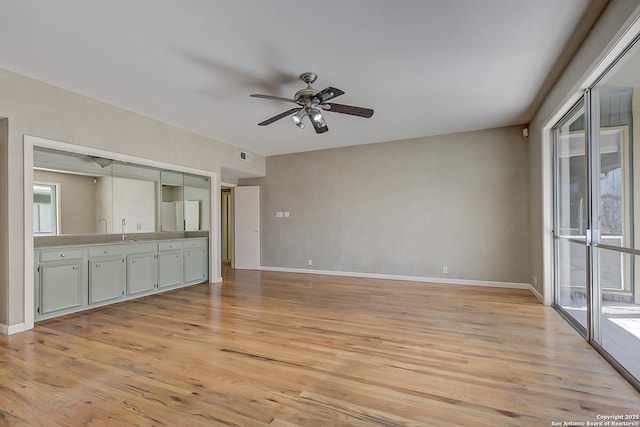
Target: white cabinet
[(142, 269), (196, 267), (106, 274), (59, 281), (169, 264), (71, 279), (181, 215), (105, 279), (60, 286), (191, 215)]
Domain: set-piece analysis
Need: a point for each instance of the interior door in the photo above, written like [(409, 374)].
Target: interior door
[(246, 232)]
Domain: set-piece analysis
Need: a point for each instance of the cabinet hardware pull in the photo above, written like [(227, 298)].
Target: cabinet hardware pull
[(133, 260), (106, 252), (97, 265), (75, 267), (61, 255)]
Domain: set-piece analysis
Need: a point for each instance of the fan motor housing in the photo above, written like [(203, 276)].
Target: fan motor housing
[(304, 95)]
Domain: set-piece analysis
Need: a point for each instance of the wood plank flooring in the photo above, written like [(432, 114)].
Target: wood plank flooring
[(284, 349)]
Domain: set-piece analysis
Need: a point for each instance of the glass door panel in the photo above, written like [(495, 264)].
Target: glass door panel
[(572, 280), (619, 313), (571, 219), (616, 310)]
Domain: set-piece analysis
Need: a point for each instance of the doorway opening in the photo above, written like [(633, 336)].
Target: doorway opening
[(226, 224)]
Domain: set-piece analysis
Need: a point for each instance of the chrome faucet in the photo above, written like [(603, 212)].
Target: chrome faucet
[(123, 224)]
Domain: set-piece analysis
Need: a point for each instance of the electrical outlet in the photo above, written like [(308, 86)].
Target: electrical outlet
[(445, 269), (534, 279), (279, 214), (309, 262)]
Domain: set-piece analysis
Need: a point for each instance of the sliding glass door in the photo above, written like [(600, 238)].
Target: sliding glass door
[(616, 251), (596, 235), (571, 217)]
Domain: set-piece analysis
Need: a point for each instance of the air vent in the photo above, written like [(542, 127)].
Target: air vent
[(245, 156)]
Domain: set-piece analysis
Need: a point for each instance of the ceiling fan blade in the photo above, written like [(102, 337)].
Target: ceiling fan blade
[(319, 127), (349, 109), (327, 93), (275, 98), (279, 116)]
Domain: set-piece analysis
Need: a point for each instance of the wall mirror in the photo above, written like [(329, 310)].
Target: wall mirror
[(80, 194)]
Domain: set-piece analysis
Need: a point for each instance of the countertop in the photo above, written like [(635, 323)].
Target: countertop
[(41, 242)]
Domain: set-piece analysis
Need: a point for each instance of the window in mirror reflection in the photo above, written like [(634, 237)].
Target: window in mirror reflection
[(45, 208)]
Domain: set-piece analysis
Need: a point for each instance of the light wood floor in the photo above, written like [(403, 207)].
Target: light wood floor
[(285, 349)]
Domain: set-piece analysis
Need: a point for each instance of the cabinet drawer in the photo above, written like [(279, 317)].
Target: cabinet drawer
[(104, 251), (60, 255), (169, 246), (138, 248), (195, 243)]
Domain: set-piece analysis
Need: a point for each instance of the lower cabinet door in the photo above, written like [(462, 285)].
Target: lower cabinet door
[(194, 265), (141, 272), (60, 286), (106, 279), (169, 268)]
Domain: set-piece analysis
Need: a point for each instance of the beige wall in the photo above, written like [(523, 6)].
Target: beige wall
[(614, 20), (77, 200), (403, 208), (4, 249), (38, 109)]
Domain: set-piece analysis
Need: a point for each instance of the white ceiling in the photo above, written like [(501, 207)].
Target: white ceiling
[(426, 67)]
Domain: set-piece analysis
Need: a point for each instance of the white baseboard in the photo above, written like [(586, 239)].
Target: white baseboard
[(511, 285), (217, 280), (537, 294), (13, 329)]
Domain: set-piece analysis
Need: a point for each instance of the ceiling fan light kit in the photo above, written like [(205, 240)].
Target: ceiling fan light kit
[(311, 102)]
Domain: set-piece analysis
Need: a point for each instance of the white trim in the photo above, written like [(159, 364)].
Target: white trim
[(537, 294), (29, 143), (548, 263), (439, 280), (217, 280), (620, 44), (29, 274), (13, 329)]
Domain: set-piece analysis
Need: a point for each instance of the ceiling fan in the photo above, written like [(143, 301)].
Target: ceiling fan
[(311, 102)]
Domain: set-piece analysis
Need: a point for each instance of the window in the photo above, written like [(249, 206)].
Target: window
[(45, 209)]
